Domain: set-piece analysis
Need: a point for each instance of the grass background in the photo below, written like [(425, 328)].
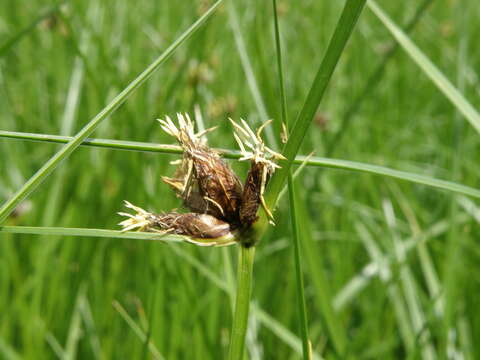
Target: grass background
[(397, 262)]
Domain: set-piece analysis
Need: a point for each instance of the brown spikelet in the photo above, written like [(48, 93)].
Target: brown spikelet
[(262, 166), (184, 183), (251, 194), (219, 186), (204, 181), (201, 226)]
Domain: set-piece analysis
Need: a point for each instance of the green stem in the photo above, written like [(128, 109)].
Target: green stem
[(242, 302), (343, 30), (84, 232), (233, 154), (302, 308)]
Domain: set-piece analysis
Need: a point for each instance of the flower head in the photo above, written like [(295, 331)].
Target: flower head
[(220, 205)]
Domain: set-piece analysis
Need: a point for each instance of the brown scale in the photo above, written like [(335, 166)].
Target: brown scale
[(186, 186), (210, 187), (251, 194), (219, 185), (201, 226)]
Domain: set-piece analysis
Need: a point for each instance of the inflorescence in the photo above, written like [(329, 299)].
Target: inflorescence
[(220, 205)]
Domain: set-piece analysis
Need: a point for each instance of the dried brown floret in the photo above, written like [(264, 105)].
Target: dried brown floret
[(204, 182), (263, 165), (193, 225), (202, 226), (251, 194)]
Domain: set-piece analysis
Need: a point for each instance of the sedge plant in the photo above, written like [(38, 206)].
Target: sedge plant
[(176, 228)]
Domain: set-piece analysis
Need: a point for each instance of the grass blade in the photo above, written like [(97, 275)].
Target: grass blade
[(343, 30), (302, 308), (7, 352), (101, 143), (98, 233), (73, 144), (75, 329), (323, 292), (233, 154), (429, 68), (370, 271), (137, 330), (397, 174)]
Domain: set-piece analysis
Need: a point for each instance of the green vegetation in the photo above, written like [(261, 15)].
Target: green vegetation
[(389, 267)]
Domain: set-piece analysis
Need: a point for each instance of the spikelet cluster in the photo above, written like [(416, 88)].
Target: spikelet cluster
[(218, 202)]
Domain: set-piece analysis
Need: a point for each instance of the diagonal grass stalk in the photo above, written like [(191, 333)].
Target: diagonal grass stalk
[(343, 30), (97, 233), (302, 308), (429, 68), (73, 144), (137, 330), (234, 154)]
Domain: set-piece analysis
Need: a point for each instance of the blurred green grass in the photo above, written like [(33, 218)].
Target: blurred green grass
[(57, 292)]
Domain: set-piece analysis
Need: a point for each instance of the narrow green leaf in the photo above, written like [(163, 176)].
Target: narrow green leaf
[(397, 174), (73, 144), (233, 154), (7, 351), (322, 288), (278, 329), (101, 143), (302, 308), (342, 33), (75, 329), (137, 330), (60, 231), (429, 68)]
